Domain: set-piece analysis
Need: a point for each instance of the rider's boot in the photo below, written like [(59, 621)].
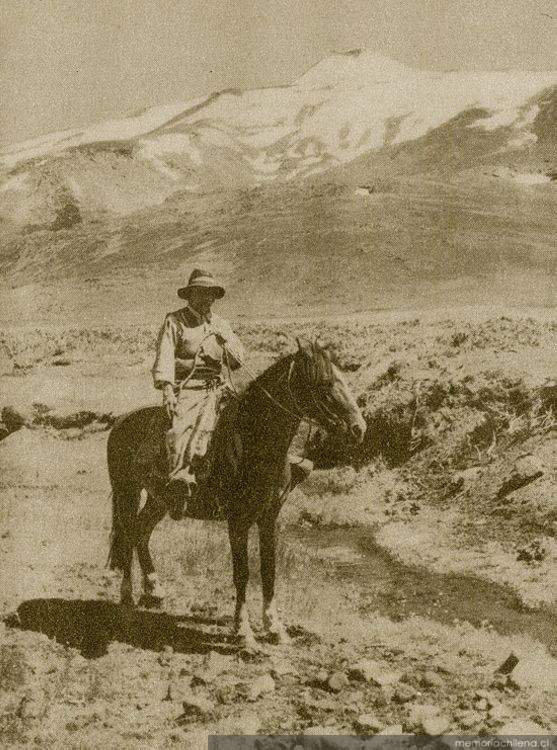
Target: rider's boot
[(300, 468), (181, 487)]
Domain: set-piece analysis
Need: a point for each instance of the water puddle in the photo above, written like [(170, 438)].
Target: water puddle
[(391, 588)]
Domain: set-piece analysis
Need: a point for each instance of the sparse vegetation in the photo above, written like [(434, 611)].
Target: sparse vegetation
[(455, 476)]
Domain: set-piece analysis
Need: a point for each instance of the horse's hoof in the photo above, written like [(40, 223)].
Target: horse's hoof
[(274, 630), (150, 601), (247, 642), (250, 647)]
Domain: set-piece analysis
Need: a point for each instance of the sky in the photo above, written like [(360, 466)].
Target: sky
[(70, 63)]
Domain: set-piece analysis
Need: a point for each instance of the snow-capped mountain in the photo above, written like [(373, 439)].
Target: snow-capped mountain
[(349, 106)]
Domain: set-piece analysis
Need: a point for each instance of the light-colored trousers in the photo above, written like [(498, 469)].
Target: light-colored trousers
[(193, 424)]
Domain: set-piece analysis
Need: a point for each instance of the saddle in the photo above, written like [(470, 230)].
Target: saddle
[(222, 459), (214, 474)]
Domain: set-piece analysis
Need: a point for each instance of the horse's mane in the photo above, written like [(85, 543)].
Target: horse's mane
[(316, 367), (270, 375), (312, 363)]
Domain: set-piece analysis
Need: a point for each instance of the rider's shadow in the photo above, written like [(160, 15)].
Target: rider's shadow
[(91, 625)]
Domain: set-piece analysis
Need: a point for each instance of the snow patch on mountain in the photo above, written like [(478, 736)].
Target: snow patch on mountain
[(171, 143), (346, 106), (131, 127), (111, 130), (343, 104)]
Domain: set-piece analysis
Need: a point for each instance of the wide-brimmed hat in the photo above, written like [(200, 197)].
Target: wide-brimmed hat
[(200, 279)]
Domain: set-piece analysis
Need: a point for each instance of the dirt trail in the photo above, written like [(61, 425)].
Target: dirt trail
[(400, 591)]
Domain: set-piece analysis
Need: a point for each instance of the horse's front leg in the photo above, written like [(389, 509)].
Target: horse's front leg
[(126, 587), (152, 512), (238, 534), (267, 552)]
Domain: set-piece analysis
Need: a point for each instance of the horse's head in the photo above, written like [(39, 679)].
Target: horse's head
[(321, 393)]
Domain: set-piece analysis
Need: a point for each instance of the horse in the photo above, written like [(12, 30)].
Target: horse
[(304, 385)]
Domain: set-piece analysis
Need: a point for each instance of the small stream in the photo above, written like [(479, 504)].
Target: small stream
[(390, 588)]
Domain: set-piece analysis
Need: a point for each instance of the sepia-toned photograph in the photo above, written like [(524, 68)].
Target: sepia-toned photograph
[(278, 374)]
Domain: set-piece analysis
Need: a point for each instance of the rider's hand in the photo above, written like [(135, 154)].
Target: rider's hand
[(169, 400), (212, 348), (220, 335), (209, 361)]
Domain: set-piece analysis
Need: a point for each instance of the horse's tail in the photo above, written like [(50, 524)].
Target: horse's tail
[(126, 493)]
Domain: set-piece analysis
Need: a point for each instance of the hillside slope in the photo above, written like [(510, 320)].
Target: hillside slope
[(298, 250)]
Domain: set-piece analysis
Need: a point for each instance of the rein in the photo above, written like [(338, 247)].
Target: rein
[(183, 383), (299, 416), (296, 414)]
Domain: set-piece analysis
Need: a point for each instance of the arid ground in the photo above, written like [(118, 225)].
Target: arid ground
[(409, 570)]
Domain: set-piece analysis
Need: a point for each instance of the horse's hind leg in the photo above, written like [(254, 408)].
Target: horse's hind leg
[(125, 504), (151, 513), (238, 534), (267, 551)]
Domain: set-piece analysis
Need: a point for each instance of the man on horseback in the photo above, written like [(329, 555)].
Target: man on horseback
[(193, 345)]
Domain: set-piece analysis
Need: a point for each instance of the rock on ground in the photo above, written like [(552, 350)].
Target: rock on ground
[(367, 723), (374, 672)]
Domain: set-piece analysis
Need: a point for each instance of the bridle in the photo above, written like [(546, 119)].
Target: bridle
[(329, 417)]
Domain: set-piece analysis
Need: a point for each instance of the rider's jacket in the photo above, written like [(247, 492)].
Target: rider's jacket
[(186, 335)]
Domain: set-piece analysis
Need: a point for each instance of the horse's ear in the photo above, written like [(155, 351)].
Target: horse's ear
[(304, 346), (324, 347)]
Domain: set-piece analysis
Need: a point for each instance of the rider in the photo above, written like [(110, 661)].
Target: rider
[(192, 347)]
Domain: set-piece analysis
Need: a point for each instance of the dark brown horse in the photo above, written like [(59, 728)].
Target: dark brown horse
[(250, 477)]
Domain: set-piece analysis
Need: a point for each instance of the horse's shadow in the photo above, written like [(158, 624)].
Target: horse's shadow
[(91, 625)]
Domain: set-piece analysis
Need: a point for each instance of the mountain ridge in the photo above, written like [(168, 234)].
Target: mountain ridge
[(353, 75), (352, 117)]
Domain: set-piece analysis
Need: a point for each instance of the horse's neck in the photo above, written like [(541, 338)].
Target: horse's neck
[(271, 422)]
